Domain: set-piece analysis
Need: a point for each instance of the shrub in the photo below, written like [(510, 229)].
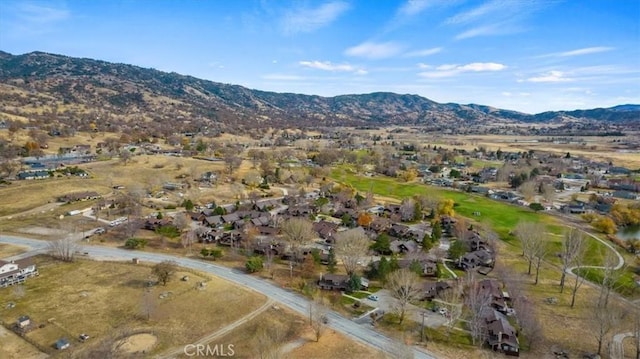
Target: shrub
[(254, 264)]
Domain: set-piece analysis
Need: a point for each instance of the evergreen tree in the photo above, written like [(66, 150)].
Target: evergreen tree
[(332, 261), (393, 263), (384, 268), (354, 283), (427, 243), (436, 231)]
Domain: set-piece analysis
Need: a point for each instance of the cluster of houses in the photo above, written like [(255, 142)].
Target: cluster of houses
[(231, 227)]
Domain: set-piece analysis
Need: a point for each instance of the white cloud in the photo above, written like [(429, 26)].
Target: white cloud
[(374, 50), (482, 66), (449, 70), (328, 66), (414, 7), (477, 12), (424, 66), (311, 19), (579, 52), (495, 17), (551, 76), (424, 52), (41, 14), (487, 30)]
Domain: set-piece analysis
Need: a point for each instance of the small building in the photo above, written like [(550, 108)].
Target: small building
[(62, 344), (23, 322)]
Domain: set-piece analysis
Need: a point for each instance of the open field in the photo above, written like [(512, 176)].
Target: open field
[(297, 340), (14, 347), (101, 299), (8, 250), (143, 173)]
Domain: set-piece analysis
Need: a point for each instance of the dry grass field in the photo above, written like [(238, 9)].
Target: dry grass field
[(101, 299), (296, 339), (8, 250), (14, 347)]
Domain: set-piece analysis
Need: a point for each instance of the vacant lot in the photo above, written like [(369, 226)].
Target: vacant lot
[(8, 250), (282, 334), (109, 301), (14, 347)]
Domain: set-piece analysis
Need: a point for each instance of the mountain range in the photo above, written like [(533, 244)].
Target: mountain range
[(80, 86)]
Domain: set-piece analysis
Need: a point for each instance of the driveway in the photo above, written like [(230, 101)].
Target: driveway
[(337, 322), (387, 304)]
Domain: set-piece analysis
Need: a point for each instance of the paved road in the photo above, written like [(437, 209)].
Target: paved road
[(347, 327), (617, 349)]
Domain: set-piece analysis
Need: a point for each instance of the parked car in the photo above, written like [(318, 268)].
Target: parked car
[(83, 337), (99, 231), (443, 311), (373, 297)]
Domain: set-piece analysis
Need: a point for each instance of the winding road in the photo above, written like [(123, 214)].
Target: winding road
[(361, 333)]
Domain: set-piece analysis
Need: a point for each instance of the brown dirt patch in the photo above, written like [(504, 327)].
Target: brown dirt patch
[(138, 343)]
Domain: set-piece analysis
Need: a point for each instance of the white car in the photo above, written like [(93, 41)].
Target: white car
[(373, 297)]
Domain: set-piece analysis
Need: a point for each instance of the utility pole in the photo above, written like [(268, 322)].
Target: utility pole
[(422, 330)]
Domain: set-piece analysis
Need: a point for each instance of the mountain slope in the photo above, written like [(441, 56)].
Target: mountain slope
[(94, 90)]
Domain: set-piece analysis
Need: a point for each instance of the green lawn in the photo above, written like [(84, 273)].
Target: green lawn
[(501, 216), (625, 284)]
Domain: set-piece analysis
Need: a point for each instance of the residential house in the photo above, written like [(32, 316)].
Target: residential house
[(432, 289), (17, 271), (326, 230), (339, 282), (400, 246), (475, 259), (501, 335), (399, 230), (494, 290)]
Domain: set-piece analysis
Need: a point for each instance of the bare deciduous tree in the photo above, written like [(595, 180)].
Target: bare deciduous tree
[(351, 247), (318, 316), (542, 249), (531, 237), (63, 249), (610, 277), (528, 321), (451, 299), (405, 287), (476, 302), (572, 248), (602, 321), (579, 279), (528, 189), (297, 232)]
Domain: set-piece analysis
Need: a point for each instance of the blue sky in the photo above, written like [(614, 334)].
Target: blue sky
[(525, 55)]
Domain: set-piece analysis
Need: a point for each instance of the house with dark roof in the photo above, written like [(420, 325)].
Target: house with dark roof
[(400, 246), (432, 289), (501, 335), (471, 260), (339, 282)]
